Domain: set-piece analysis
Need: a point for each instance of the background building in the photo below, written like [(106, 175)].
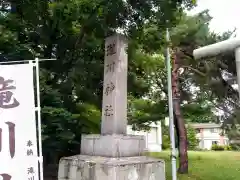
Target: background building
[(209, 134), (153, 136)]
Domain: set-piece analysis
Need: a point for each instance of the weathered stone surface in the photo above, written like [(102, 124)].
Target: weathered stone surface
[(113, 145), (81, 167), (114, 103)]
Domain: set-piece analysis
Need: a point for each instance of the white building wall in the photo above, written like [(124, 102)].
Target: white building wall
[(153, 137), (208, 136), (207, 144), (208, 133)]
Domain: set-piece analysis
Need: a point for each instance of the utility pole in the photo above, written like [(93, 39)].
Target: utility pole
[(170, 107)]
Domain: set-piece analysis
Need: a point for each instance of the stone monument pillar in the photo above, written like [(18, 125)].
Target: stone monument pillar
[(113, 155), (114, 106)]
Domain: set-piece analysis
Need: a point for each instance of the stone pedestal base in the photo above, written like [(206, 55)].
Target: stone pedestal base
[(113, 145), (82, 167)]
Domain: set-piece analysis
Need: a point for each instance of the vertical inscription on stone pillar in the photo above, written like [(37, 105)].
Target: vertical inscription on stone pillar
[(114, 107)]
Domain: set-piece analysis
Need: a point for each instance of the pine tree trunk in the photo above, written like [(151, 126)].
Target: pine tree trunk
[(183, 155), (177, 131)]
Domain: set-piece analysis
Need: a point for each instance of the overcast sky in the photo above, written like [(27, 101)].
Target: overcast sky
[(225, 13)]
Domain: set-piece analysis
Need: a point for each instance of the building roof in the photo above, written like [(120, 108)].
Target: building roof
[(205, 125)]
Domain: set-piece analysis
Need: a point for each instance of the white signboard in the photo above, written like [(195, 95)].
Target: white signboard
[(18, 142)]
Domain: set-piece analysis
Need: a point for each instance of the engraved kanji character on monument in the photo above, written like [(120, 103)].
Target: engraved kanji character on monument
[(110, 87), (110, 67), (6, 95), (108, 110), (111, 49)]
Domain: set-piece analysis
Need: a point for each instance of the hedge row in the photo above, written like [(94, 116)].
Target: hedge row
[(216, 147)]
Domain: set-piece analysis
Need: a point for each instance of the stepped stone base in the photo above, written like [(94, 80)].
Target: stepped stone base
[(82, 167), (113, 145)]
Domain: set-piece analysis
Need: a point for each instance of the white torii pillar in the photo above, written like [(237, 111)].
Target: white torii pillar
[(219, 48)]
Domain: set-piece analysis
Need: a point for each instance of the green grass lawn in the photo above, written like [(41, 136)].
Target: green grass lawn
[(207, 165)]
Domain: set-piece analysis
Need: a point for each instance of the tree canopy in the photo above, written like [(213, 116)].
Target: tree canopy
[(73, 32)]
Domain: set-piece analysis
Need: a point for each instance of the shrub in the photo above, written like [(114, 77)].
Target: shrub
[(198, 149), (166, 142), (228, 148), (235, 146), (216, 147)]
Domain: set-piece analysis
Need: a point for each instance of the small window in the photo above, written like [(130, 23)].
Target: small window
[(214, 142), (197, 131)]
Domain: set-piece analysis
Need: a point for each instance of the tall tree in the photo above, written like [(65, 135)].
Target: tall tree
[(189, 80), (179, 121)]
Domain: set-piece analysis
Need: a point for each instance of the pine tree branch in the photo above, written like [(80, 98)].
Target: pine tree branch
[(194, 70)]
